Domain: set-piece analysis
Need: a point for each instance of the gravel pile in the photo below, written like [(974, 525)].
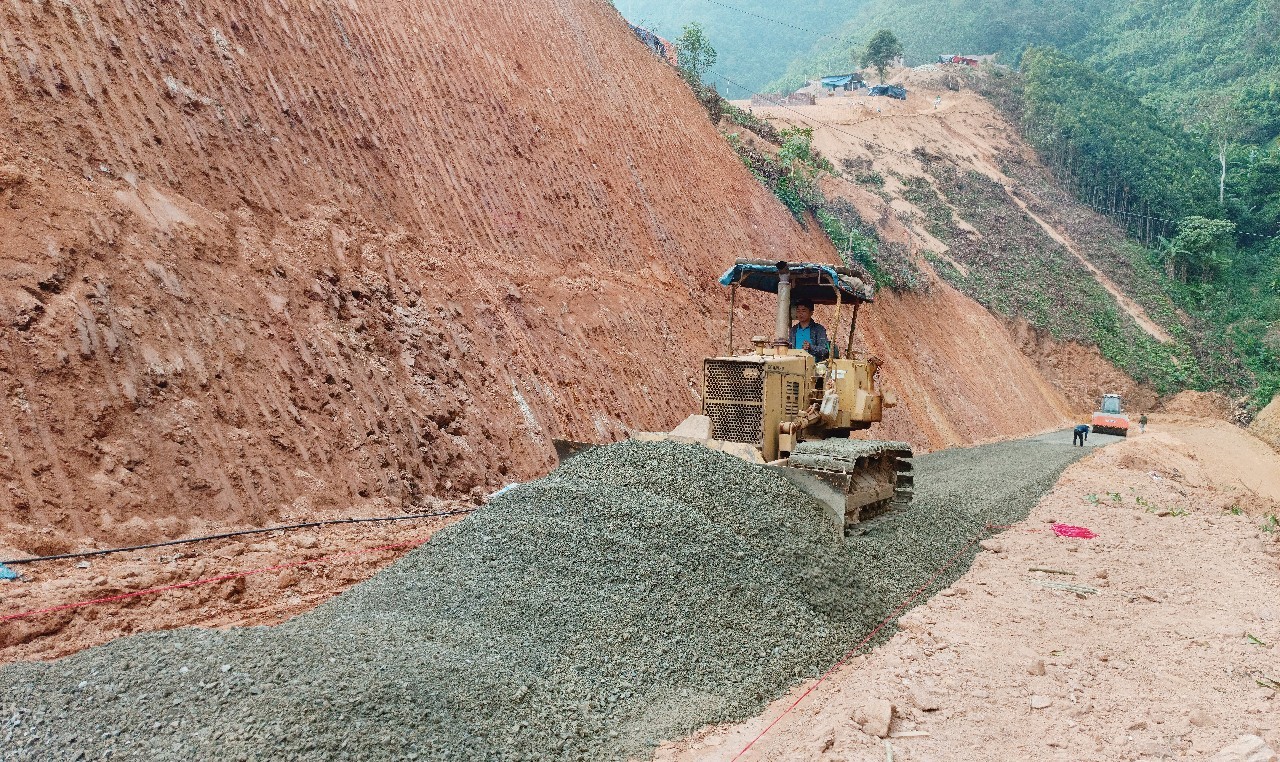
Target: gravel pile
[(639, 592)]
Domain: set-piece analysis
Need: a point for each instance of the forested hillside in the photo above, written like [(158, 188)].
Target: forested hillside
[(1164, 50), (755, 40), (1165, 116)]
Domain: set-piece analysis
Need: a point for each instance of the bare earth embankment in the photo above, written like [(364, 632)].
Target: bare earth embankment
[(266, 265), (1158, 639)]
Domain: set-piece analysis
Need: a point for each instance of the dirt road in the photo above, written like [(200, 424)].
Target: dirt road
[(1155, 640)]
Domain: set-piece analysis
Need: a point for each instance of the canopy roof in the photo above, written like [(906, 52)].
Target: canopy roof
[(839, 80), (810, 281)]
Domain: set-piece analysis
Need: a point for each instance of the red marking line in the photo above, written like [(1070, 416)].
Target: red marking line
[(883, 623), (207, 580), (1066, 530)]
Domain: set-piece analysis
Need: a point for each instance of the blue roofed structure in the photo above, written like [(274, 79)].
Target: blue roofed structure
[(842, 81)]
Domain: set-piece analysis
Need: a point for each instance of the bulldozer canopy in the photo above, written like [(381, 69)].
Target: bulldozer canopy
[(810, 281)]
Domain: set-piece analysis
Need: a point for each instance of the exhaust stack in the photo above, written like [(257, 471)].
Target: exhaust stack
[(783, 327)]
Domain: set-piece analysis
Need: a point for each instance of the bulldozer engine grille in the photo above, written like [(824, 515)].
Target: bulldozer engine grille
[(734, 400), (791, 405)]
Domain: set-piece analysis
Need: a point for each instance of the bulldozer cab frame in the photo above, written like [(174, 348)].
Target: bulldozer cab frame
[(796, 282), (776, 396), (779, 407)]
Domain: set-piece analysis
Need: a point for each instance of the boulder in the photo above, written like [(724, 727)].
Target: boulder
[(874, 717), (1246, 749)]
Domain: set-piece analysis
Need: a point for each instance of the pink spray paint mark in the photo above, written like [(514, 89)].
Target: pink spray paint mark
[(1066, 530)]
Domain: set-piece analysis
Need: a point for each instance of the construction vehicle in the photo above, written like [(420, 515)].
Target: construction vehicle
[(1111, 419), (784, 409)]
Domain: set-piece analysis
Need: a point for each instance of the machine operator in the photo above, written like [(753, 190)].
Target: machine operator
[(808, 335)]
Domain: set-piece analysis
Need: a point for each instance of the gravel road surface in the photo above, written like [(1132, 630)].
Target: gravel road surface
[(639, 592)]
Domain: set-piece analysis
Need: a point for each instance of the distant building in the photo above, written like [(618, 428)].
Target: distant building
[(973, 61), (843, 82)]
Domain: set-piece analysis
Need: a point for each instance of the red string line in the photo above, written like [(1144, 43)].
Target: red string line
[(883, 623)]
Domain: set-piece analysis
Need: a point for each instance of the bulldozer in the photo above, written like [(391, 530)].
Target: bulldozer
[(1111, 418), (786, 410)]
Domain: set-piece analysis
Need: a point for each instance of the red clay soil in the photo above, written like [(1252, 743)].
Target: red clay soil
[(255, 580), (958, 374), (276, 262), (1079, 372), (267, 262), (1199, 405)]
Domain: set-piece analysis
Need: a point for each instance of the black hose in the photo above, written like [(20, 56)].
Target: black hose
[(88, 553)]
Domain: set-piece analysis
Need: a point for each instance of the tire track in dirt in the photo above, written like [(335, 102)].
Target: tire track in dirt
[(1127, 304)]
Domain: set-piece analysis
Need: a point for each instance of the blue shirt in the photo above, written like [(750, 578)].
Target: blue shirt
[(801, 336), (816, 335)]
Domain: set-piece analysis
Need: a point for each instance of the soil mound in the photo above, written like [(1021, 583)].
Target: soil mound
[(1199, 404), (637, 593), (1266, 426)]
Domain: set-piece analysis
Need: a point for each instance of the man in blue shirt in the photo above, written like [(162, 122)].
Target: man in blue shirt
[(1081, 434), (808, 335)]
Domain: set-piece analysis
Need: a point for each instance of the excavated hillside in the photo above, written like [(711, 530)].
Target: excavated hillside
[(296, 260), (278, 260), (1008, 268)]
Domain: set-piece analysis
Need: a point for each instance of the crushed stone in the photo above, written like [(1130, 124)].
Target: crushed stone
[(639, 592)]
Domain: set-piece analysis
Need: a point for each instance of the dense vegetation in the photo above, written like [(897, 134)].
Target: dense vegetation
[(755, 39), (1015, 268), (1164, 116), (928, 28), (1167, 51), (1196, 190)]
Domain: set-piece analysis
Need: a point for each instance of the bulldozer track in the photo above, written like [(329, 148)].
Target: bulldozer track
[(844, 454), (870, 469)]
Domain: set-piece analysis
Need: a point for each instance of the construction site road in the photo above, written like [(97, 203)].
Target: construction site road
[(638, 593), (1154, 635)]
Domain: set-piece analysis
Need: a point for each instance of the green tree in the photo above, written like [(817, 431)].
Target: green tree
[(1218, 118), (883, 49), (695, 53), (1120, 156), (1202, 248)]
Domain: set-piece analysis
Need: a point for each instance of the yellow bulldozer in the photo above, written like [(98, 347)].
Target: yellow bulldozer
[(787, 410)]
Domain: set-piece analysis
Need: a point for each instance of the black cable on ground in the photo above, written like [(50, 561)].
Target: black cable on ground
[(240, 533)]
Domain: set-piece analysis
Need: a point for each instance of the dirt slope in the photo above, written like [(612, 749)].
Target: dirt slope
[(1155, 640), (959, 376), (890, 151), (282, 261), (1266, 426), (273, 261)]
